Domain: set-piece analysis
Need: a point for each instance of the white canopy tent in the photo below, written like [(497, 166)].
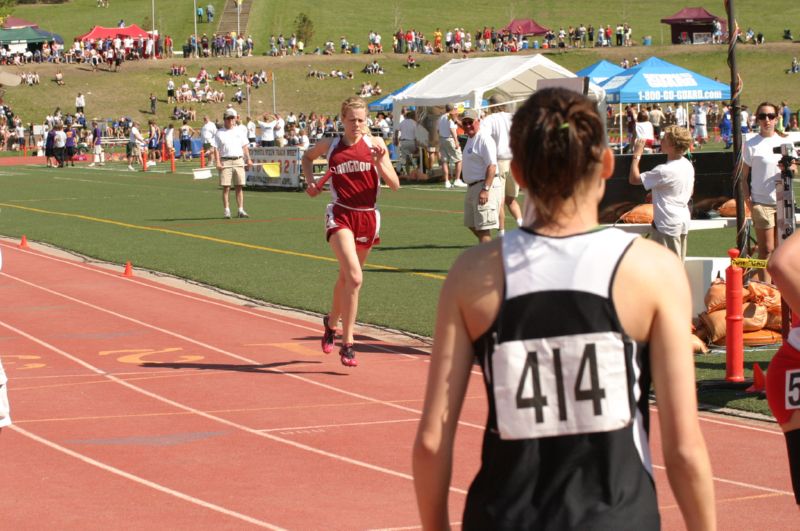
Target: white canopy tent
[(514, 76)]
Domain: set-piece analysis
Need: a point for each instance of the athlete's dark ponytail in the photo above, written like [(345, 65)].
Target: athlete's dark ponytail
[(557, 140)]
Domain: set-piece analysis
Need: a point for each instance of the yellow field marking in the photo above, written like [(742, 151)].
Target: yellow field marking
[(211, 239), (136, 356), (8, 360)]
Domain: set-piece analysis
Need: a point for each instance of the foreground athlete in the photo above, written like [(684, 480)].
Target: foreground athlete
[(568, 327)]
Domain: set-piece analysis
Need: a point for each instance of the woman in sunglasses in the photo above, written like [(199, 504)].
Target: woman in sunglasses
[(761, 166)]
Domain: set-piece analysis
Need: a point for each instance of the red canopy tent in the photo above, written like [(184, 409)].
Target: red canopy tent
[(18, 23), (99, 32), (525, 26), (690, 21)]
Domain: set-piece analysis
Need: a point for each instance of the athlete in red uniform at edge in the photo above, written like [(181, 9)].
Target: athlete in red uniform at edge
[(356, 162), (783, 375)]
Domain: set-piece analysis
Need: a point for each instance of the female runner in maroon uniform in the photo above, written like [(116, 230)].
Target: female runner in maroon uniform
[(356, 161)]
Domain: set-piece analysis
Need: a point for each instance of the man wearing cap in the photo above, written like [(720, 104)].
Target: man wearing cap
[(450, 150), (230, 148), (480, 166)]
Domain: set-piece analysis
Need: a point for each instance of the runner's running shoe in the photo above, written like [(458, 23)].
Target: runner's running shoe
[(327, 337), (348, 355)]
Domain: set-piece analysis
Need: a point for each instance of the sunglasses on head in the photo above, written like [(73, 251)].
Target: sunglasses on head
[(766, 116)]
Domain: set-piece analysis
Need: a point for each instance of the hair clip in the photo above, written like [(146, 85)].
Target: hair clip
[(565, 125)]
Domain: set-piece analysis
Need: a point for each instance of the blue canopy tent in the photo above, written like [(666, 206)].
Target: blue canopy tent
[(384, 104), (657, 81), (600, 71)]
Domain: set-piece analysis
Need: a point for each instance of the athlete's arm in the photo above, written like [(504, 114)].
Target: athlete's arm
[(665, 316), (380, 156), (784, 267), (451, 361), (308, 164)]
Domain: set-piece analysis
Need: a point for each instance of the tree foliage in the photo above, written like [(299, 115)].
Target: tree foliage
[(304, 27)]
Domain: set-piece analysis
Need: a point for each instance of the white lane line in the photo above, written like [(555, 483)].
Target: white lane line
[(342, 425), (211, 417), (741, 426), (741, 484), (145, 482), (222, 351), (185, 295)]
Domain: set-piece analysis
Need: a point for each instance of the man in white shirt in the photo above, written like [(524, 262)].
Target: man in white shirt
[(406, 141), (449, 148), (80, 103), (207, 133), (498, 125), (700, 122), (251, 131), (480, 167), (59, 144), (135, 143), (680, 116), (267, 130), (232, 154)]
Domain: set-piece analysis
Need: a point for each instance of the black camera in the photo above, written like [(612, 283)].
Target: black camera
[(788, 150)]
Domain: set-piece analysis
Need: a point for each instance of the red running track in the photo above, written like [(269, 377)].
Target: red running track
[(139, 404)]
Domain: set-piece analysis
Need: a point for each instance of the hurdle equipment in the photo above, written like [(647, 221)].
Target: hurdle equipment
[(23, 243), (734, 328), (128, 270), (144, 160), (172, 160), (202, 157)]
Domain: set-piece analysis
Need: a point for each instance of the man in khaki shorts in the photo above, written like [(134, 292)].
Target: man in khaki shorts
[(230, 150), (480, 167), (449, 149), (498, 124)]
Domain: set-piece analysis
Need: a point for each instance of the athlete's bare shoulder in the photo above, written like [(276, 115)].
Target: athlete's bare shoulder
[(476, 281)]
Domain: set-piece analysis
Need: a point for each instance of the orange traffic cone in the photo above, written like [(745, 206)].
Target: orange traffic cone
[(128, 269), (759, 380), (23, 243)]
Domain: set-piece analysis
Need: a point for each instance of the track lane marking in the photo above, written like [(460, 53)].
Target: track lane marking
[(206, 415), (142, 481)]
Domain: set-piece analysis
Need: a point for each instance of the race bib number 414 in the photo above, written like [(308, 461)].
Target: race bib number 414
[(561, 386)]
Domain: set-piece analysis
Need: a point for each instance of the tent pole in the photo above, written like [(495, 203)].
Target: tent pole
[(620, 127), (736, 112)]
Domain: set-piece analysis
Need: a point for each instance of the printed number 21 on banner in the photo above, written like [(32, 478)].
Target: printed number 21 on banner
[(561, 386)]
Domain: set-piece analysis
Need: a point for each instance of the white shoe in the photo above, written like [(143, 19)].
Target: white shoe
[(458, 183), (131, 168), (227, 214), (91, 165), (243, 214), (447, 183)]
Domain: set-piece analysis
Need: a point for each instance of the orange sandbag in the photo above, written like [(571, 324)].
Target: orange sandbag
[(774, 321), (765, 294), (714, 325), (728, 209), (638, 214), (762, 337), (755, 317), (715, 296)]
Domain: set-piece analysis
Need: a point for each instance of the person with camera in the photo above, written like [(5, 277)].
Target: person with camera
[(761, 171)]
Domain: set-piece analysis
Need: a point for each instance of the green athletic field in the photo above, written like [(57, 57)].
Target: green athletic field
[(172, 223)]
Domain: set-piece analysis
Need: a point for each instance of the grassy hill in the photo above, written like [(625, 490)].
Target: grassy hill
[(126, 93)]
